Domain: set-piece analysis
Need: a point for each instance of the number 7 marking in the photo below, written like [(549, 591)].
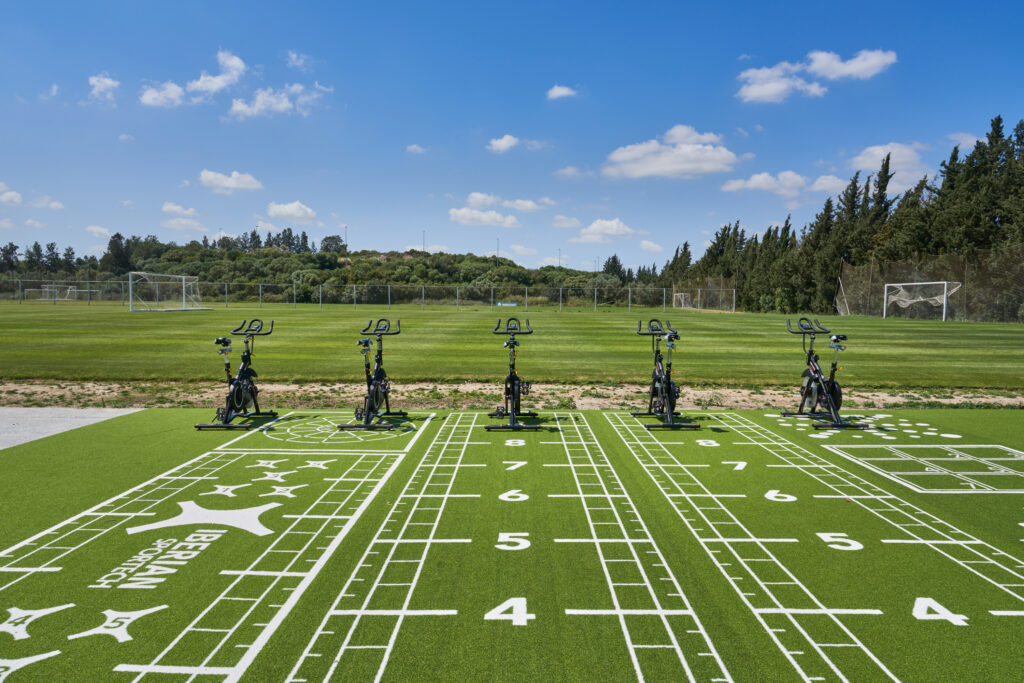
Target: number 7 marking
[(516, 464), (740, 464)]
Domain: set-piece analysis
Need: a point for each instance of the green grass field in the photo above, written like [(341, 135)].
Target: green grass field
[(752, 549), (107, 343)]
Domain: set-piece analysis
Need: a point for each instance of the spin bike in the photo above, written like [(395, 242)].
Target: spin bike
[(820, 395), (663, 391), (242, 390), (378, 386), (515, 387)]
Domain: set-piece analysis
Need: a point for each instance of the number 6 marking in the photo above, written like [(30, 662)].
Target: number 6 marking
[(513, 496), (779, 497), (706, 442), (840, 541), (514, 610), (515, 540)]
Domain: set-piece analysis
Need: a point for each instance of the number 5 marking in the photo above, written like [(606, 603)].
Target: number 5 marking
[(515, 540), (840, 541)]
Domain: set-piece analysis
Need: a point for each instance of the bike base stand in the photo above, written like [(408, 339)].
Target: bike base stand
[(513, 422), (824, 420), (383, 426), (242, 425)]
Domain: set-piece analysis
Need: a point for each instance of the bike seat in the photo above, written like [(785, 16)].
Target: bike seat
[(363, 342), (671, 337), (838, 337), (223, 341)]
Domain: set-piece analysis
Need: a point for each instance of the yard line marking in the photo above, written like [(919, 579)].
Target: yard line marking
[(923, 541), (424, 540), (603, 540), (710, 495), (790, 610), (246, 572), (31, 569), (168, 669), (1007, 613), (748, 540), (395, 612)]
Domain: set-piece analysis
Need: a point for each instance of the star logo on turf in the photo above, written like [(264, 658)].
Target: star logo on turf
[(116, 624), (274, 476), (266, 463), (228, 491), (285, 491), (17, 623), (319, 464)]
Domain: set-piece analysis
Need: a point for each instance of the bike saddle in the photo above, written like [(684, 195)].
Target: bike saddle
[(223, 341), (363, 342), (838, 337), (671, 336)]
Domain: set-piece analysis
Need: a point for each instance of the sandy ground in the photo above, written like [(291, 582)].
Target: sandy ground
[(20, 425), (466, 395)]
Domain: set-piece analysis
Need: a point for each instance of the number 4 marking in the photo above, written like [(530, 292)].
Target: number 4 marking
[(927, 609), (514, 610), (515, 464), (739, 464)]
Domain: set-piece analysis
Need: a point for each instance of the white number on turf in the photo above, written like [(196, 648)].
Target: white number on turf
[(515, 442), (927, 609), (739, 464), (513, 496), (706, 442), (515, 464), (779, 497), (514, 610), (515, 540), (840, 541)]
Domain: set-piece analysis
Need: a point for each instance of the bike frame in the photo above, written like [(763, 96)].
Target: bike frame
[(663, 392), (822, 390), (234, 405), (515, 387), (378, 387)]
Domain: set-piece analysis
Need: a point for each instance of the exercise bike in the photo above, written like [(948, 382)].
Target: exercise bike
[(820, 395), (515, 387), (663, 392), (242, 390), (378, 386)]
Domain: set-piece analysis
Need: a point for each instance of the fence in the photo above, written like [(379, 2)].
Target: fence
[(227, 294)]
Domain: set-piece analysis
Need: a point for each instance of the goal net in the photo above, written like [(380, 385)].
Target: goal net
[(929, 300), (159, 292), (718, 299)]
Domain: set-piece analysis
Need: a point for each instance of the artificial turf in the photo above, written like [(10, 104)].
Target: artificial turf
[(755, 548)]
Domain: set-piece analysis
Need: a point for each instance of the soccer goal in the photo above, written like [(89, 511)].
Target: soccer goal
[(919, 299), (159, 292), (700, 299)]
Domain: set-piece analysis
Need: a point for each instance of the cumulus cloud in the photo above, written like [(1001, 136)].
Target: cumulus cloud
[(224, 184), (471, 216), (786, 184), (291, 98), (570, 172), (415, 149), (125, 137), (177, 210), (558, 91), (602, 230), (681, 153), (561, 221), (521, 250), (231, 70), (522, 205), (295, 211), (828, 183), (650, 247), (297, 60), (127, 203), (9, 197), (32, 223), (481, 200), (776, 83), (905, 164), (865, 64), (6, 223), (966, 141), (167, 95), (47, 202), (97, 231), (103, 88), (503, 144), (183, 224)]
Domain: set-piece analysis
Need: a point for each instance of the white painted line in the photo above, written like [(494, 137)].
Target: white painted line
[(423, 540), (247, 572), (831, 612), (603, 540), (629, 612), (394, 613), (1007, 613), (708, 495), (183, 670), (749, 540), (30, 569), (926, 542)]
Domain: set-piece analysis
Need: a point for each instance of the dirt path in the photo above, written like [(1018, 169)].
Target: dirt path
[(467, 395)]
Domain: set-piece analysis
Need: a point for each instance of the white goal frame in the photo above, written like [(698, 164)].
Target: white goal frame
[(948, 287), (684, 299), (189, 284)]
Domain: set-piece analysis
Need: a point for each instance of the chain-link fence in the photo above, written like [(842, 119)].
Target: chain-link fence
[(986, 286)]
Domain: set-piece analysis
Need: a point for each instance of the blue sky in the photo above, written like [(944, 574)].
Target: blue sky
[(593, 128)]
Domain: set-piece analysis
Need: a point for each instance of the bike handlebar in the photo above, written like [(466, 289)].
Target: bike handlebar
[(806, 327), (383, 327), (255, 328), (654, 328), (512, 327)]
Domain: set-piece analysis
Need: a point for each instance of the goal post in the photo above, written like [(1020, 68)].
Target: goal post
[(705, 298), (919, 297), (162, 292)]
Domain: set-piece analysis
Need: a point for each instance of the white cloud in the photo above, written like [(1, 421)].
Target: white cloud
[(966, 141), (267, 225), (650, 246), (49, 93), (47, 202), (5, 223), (127, 203), (866, 64), (601, 230), (535, 144), (470, 216), (10, 198), (503, 144), (828, 183), (786, 184), (547, 201), (522, 205), (415, 149), (481, 200), (97, 231), (743, 132), (267, 101), (297, 60), (168, 95), (569, 172), (561, 221), (184, 224), (776, 83), (32, 223), (683, 154), (125, 137), (554, 260), (177, 209), (295, 211), (521, 250), (231, 70), (103, 88), (905, 163), (558, 91), (223, 184)]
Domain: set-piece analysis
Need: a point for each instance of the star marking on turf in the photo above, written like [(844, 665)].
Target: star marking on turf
[(17, 623), (285, 491), (246, 519), (228, 491), (116, 624), (9, 666), (266, 463), (319, 464), (274, 476)]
